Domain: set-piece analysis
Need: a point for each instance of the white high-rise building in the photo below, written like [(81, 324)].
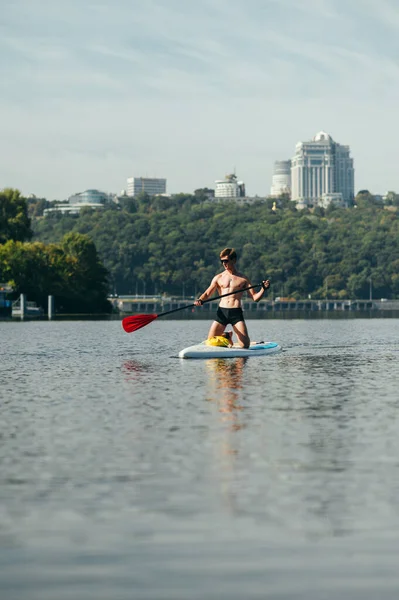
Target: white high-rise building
[(321, 167), (229, 187), (151, 186), (281, 182)]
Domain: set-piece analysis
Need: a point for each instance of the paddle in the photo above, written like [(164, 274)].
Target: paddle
[(135, 322)]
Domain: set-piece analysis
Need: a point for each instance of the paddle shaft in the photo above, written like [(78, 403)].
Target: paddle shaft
[(210, 300)]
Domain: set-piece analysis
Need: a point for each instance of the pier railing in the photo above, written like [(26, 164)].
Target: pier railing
[(134, 305), (277, 308)]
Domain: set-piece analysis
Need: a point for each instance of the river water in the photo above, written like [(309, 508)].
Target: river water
[(126, 472)]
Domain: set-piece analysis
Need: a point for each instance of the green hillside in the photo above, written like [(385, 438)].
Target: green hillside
[(172, 245)]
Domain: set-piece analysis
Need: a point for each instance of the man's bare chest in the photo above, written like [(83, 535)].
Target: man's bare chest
[(229, 282)]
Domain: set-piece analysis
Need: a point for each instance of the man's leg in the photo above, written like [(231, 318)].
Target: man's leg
[(240, 329), (216, 329), (219, 324)]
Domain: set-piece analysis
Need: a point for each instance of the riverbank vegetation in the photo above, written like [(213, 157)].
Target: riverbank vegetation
[(69, 269), (171, 245)]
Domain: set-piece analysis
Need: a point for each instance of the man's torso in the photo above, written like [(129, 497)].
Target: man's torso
[(231, 282)]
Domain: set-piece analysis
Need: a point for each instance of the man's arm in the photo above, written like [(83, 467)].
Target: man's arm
[(256, 296), (208, 292)]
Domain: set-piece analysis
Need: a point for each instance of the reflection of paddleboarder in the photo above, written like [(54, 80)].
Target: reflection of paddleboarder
[(226, 380), (225, 390), (230, 309)]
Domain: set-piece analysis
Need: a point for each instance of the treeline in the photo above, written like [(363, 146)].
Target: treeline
[(171, 245), (70, 269)]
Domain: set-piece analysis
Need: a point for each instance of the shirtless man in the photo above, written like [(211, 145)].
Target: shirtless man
[(230, 310)]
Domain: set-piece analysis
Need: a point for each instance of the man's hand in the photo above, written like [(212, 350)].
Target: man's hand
[(266, 284)]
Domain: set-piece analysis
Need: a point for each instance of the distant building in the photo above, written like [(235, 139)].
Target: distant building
[(205, 193), (319, 167), (229, 187), (334, 198), (150, 186), (89, 199), (281, 181)]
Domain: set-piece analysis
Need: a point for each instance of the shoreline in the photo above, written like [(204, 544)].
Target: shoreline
[(272, 315)]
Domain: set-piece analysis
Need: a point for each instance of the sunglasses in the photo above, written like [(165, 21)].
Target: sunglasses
[(225, 261)]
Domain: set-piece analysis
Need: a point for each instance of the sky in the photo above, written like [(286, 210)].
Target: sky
[(93, 92)]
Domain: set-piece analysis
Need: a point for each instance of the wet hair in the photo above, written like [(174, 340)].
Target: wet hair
[(230, 253)]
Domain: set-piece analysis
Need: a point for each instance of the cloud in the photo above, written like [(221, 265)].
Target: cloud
[(96, 92)]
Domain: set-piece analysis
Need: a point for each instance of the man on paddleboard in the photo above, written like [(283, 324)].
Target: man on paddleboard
[(230, 309)]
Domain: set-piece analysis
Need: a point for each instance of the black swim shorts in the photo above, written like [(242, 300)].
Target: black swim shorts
[(224, 316)]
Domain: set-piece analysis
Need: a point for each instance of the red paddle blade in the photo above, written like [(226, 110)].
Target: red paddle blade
[(135, 322)]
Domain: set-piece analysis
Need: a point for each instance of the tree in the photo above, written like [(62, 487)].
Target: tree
[(391, 199), (24, 267), (14, 221), (365, 199), (70, 271), (85, 276), (36, 206)]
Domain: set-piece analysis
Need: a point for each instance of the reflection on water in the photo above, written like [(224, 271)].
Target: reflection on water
[(224, 387), (336, 417), (127, 473), (134, 370)]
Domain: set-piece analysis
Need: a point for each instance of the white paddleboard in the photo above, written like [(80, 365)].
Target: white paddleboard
[(204, 351)]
